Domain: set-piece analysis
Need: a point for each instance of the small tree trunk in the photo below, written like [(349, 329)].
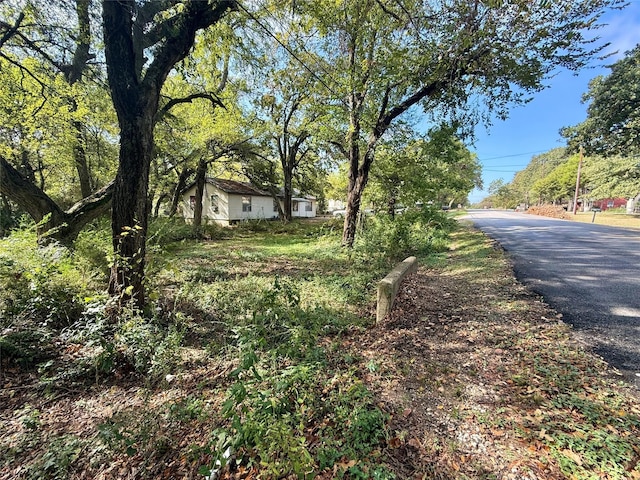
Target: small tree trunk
[(288, 193), (177, 193), (80, 160), (201, 178), (391, 207), (354, 196), (5, 216), (156, 209)]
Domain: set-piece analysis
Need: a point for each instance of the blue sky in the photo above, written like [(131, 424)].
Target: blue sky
[(507, 146)]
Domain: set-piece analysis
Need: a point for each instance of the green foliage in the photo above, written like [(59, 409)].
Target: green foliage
[(560, 183), (57, 460), (95, 246), (281, 388), (415, 232), (135, 343), (26, 347), (436, 167), (612, 126), (612, 177), (42, 287), (164, 231)]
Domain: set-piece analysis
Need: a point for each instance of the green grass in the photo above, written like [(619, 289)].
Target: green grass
[(271, 300)]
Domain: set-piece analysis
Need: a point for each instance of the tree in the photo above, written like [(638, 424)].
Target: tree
[(540, 166), (612, 126), (290, 124), (384, 58), (47, 117), (610, 177), (560, 183), (143, 43), (502, 194), (434, 168)]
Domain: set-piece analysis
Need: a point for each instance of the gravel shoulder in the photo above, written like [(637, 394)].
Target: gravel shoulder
[(484, 380)]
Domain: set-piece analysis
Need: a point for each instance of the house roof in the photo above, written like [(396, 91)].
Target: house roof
[(239, 188), (297, 196)]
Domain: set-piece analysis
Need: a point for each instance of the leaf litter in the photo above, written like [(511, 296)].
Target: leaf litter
[(479, 377)]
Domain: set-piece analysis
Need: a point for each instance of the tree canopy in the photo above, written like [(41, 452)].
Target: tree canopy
[(313, 80), (459, 61), (612, 126)]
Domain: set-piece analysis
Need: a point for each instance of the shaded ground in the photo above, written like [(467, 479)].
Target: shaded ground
[(478, 377)]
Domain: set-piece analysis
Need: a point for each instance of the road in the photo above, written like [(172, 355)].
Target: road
[(589, 273)]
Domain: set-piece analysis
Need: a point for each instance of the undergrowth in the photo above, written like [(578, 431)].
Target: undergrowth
[(273, 299)]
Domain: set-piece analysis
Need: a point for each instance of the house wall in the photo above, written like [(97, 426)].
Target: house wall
[(261, 208), (607, 203), (302, 211), (208, 212), (229, 206)]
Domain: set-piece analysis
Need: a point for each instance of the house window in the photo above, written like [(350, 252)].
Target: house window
[(275, 205), (246, 204), (214, 204), (192, 202), (610, 204), (307, 207), (294, 206)]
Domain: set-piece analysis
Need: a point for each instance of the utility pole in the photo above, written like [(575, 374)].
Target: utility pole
[(575, 196)]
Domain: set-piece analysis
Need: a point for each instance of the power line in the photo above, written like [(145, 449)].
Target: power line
[(515, 155), (505, 166)]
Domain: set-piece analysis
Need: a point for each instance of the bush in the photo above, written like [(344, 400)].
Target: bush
[(94, 245), (164, 230), (135, 343), (41, 287), (416, 232)]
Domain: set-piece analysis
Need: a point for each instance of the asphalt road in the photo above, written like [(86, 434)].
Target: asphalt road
[(589, 273)]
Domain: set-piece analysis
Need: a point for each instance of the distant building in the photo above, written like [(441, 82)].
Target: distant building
[(229, 201), (608, 203)]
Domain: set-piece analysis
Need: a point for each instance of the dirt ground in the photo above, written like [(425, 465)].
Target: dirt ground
[(460, 364), (480, 379)]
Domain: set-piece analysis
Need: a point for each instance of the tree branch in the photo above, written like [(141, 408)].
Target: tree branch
[(27, 195), (177, 42), (10, 30), (212, 97)]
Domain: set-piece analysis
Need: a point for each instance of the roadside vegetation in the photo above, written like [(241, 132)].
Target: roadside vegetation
[(258, 358), (239, 349)]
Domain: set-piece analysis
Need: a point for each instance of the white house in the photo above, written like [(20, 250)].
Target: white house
[(304, 207), (229, 201)]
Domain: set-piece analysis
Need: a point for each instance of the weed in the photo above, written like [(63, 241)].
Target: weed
[(56, 461)]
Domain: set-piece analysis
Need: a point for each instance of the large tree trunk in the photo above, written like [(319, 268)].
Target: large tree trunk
[(129, 28), (53, 222), (129, 211)]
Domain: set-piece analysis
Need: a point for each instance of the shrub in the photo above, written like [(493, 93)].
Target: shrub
[(416, 232), (41, 287), (164, 230)]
